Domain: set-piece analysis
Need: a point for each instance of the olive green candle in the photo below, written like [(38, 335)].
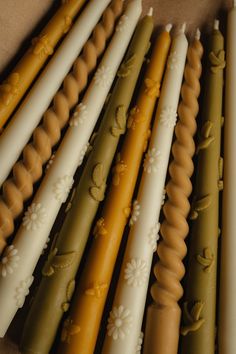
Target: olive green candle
[(57, 284), (199, 308)]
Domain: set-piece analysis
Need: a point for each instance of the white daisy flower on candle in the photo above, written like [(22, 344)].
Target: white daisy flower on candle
[(34, 217), (173, 61), (123, 23), (152, 160), (23, 290), (82, 154), (79, 116), (135, 213), (153, 236), (9, 261), (50, 162), (103, 77), (139, 344), (136, 272), (119, 323), (62, 188), (168, 117)]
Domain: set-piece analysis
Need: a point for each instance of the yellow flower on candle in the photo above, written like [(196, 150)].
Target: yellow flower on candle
[(118, 170), (68, 23), (41, 46), (100, 229), (9, 88), (69, 329), (135, 117), (97, 290), (152, 87)]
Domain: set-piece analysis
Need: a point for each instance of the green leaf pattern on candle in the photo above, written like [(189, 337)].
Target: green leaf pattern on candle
[(206, 260), (200, 205), (207, 138), (126, 67), (56, 261), (217, 61), (69, 292), (98, 190), (120, 122), (192, 317)]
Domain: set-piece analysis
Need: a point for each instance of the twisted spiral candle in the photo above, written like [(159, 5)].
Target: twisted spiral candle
[(28, 170), (164, 314)]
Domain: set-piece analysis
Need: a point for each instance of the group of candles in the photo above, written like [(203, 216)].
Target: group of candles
[(172, 80)]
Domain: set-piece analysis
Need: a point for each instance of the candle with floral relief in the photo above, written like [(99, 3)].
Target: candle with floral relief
[(51, 300), (38, 99), (40, 216), (16, 84), (125, 321)]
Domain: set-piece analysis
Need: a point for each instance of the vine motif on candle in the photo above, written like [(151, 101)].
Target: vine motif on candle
[(168, 117), (69, 329), (67, 24), (136, 272), (135, 213), (199, 205), (206, 137), (152, 88), (99, 229), (135, 117), (118, 170), (69, 293), (123, 24), (152, 160), (126, 67), (217, 61), (119, 323), (34, 217), (139, 344), (97, 290), (42, 46), (62, 188), (99, 185), (9, 88), (206, 259), (192, 318), (9, 261), (56, 261), (154, 236), (103, 77), (83, 153), (118, 127), (173, 61), (79, 116), (23, 290)]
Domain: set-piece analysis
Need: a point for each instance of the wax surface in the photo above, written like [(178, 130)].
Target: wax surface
[(16, 84)]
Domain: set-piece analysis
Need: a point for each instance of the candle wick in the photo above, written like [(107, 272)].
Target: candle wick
[(150, 12), (183, 28), (216, 24), (198, 34), (168, 27)]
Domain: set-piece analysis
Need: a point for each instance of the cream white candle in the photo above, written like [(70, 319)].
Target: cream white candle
[(132, 286), (28, 116), (22, 256), (227, 320)]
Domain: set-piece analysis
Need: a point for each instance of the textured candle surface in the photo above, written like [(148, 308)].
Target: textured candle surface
[(171, 250), (27, 171), (199, 309), (16, 84), (54, 287), (40, 216), (38, 99)]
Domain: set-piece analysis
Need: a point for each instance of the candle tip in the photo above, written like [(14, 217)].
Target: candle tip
[(216, 24), (183, 27), (198, 34), (234, 3), (168, 27), (150, 12)]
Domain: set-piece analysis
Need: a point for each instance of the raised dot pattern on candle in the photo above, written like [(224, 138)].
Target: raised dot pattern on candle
[(27, 171), (169, 270)]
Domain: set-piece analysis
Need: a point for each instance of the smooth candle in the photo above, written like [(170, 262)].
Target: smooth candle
[(49, 303), (169, 269), (36, 153), (17, 83), (40, 216), (39, 98), (199, 308)]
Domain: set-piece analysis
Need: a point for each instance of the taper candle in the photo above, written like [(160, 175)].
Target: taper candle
[(53, 191), (17, 83), (27, 171), (93, 287), (122, 335), (227, 305), (199, 308), (169, 270), (49, 303), (38, 99)]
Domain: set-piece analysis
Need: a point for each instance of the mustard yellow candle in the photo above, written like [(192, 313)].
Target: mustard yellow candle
[(89, 300), (16, 84)]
